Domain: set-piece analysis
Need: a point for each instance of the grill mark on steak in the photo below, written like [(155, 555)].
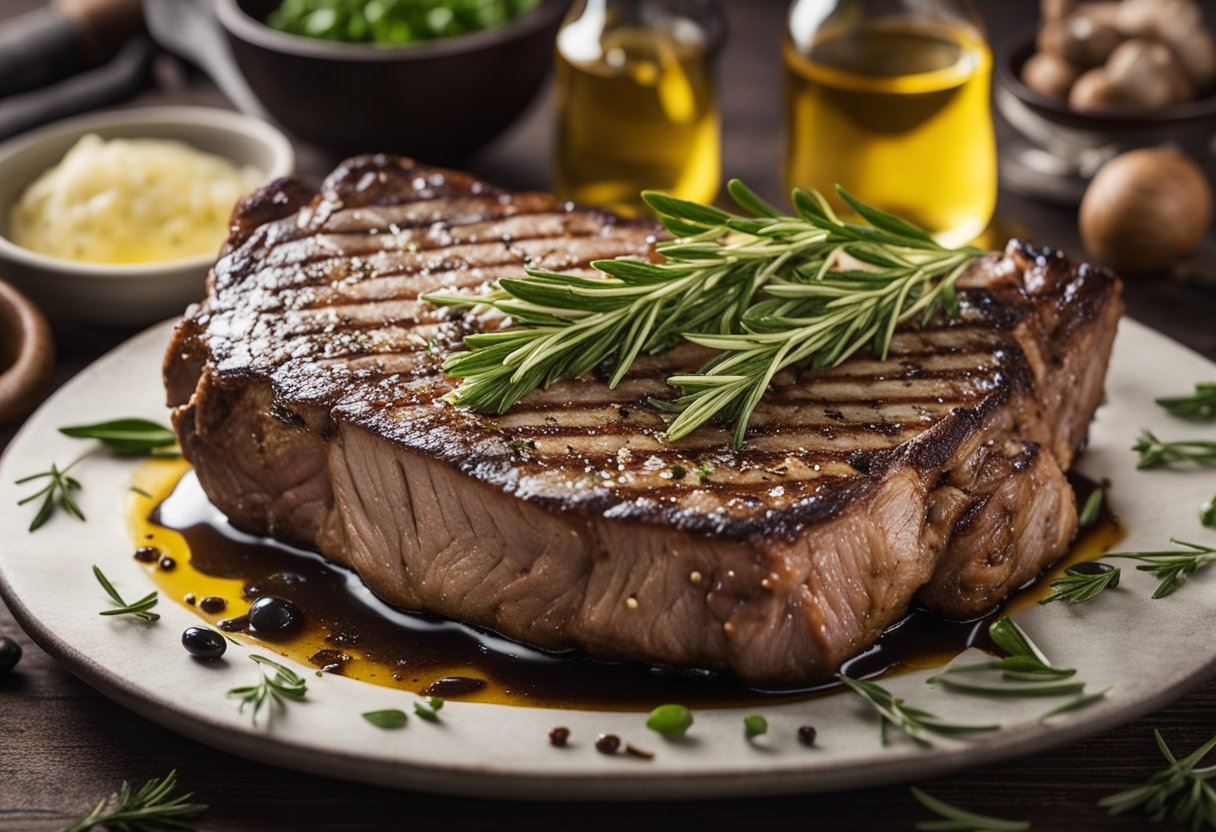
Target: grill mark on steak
[(311, 404)]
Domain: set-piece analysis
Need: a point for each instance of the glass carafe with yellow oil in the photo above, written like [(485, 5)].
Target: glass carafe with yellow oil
[(889, 98), (636, 106)]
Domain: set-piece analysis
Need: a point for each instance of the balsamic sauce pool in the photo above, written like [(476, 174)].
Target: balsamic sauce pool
[(349, 630)]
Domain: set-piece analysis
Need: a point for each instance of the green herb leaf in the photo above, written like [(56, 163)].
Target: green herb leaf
[(1199, 407), (1207, 513), (277, 686), (1181, 792), (126, 436), (388, 718), (429, 710), (138, 609), (1078, 587), (918, 724), (1082, 701), (954, 819), (1157, 453), (56, 494), (150, 808), (1093, 506), (761, 289), (672, 721), (754, 725), (1171, 567)]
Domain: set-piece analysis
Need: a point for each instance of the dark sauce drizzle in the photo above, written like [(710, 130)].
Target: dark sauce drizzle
[(337, 604)]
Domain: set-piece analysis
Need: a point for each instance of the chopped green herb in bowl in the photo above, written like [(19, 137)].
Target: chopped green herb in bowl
[(393, 22)]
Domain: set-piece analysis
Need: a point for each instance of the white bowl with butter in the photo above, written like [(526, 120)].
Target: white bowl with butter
[(139, 191)]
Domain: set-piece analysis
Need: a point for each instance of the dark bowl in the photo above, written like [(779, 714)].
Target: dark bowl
[(1059, 149), (438, 101)]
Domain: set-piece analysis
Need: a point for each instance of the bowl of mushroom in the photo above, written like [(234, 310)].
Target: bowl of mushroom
[(1101, 78)]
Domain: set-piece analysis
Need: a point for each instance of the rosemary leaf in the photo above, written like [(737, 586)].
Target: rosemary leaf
[(138, 609), (277, 686), (960, 820), (55, 494), (1158, 453), (151, 807), (1171, 567), (918, 724), (1077, 587), (1199, 406), (1181, 792), (1093, 506)]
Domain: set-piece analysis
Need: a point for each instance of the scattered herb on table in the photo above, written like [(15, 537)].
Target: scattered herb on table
[(671, 721), (278, 686), (1172, 568), (754, 725), (151, 807), (764, 290), (139, 609), (388, 718), (1181, 792), (1083, 582), (429, 710), (1200, 406), (1207, 513), (917, 723), (1157, 453), (954, 819), (133, 437), (57, 493)]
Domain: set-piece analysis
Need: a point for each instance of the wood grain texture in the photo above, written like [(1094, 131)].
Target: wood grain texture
[(63, 746)]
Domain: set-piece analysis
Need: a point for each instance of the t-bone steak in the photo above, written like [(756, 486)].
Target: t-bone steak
[(309, 397)]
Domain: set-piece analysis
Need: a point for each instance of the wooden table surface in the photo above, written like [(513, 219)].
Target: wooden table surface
[(63, 746)]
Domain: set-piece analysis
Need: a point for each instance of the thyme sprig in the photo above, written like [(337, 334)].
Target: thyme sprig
[(278, 686), (1025, 672), (1173, 567), (1158, 453), (57, 493), (1077, 587), (812, 311), (1181, 792), (151, 808), (1200, 406), (139, 609), (954, 819), (919, 724)]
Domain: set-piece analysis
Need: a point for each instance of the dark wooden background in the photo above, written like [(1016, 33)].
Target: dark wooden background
[(63, 746)]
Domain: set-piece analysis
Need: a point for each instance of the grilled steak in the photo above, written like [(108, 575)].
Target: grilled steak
[(309, 396)]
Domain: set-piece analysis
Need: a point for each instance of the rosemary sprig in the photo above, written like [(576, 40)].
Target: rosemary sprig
[(954, 819), (812, 313), (151, 808), (57, 493), (138, 609), (1199, 406), (1077, 587), (1171, 567), (128, 436), (918, 724), (1180, 792), (1158, 453), (1025, 672), (274, 689)]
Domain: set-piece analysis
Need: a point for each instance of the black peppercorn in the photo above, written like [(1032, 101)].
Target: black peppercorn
[(167, 563), (147, 554), (807, 734), (608, 743), (213, 604), (559, 736)]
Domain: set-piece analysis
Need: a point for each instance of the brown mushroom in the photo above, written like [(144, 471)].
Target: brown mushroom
[(1096, 91), (1179, 25), (1149, 74), (1085, 38), (1049, 74)]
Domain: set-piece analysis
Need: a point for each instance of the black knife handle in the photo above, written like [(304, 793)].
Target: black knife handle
[(36, 49)]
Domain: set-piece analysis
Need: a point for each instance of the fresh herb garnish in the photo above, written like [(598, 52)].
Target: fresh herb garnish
[(388, 718), (274, 689), (1093, 505), (1199, 406), (1207, 513), (1157, 453), (917, 723), (811, 312), (56, 493), (1078, 586), (151, 808), (1181, 792), (754, 725), (429, 710), (1082, 701), (954, 819), (672, 721), (1025, 672), (139, 609), (1174, 567), (704, 471), (128, 436)]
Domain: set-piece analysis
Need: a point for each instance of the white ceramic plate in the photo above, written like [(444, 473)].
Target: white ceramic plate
[(1151, 651)]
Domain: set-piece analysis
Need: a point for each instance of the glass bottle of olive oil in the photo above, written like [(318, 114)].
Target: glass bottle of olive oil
[(889, 98), (636, 107)]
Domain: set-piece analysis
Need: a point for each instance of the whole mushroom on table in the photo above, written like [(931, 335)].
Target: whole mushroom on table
[(1128, 56)]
